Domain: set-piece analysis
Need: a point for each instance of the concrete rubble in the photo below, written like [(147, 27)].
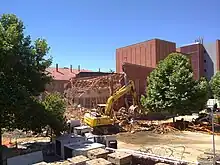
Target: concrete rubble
[(98, 153), (120, 158), (83, 148), (78, 160), (99, 161)]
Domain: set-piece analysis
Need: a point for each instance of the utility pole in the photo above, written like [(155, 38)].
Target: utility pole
[(213, 132)]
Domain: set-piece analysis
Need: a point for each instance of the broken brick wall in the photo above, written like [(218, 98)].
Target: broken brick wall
[(91, 91)]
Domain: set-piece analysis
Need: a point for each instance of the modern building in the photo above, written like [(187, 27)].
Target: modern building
[(211, 58), (141, 58), (205, 58), (147, 53), (196, 53)]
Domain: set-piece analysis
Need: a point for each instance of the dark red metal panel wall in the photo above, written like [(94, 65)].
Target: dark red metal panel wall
[(147, 53), (163, 49), (139, 75), (218, 55), (196, 51), (140, 54)]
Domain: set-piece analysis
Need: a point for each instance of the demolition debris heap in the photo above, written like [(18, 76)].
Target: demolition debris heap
[(89, 91)]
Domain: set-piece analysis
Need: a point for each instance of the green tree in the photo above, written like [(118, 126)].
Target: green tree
[(215, 85), (172, 88), (22, 76), (55, 107)]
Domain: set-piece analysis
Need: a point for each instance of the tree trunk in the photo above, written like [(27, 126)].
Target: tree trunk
[(173, 119)]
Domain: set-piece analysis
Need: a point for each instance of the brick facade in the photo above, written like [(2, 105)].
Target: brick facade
[(147, 53), (196, 53)]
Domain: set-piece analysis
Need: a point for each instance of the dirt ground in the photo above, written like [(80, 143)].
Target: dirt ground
[(182, 145)]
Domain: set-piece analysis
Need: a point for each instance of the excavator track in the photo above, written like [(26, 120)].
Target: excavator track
[(106, 130)]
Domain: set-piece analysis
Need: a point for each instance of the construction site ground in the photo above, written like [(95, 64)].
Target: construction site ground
[(166, 141), (182, 145)]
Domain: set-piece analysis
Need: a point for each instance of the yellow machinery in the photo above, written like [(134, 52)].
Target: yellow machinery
[(102, 121)]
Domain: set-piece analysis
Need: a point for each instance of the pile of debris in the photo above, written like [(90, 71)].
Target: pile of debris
[(204, 129), (75, 113), (138, 126), (163, 129), (89, 91)]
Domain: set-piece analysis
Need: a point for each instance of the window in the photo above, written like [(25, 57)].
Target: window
[(204, 70), (204, 61)]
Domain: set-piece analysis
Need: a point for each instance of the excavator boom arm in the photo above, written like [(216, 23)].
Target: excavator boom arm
[(129, 88)]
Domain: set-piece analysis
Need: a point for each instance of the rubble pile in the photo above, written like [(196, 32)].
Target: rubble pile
[(75, 113), (97, 89), (204, 129), (163, 129)]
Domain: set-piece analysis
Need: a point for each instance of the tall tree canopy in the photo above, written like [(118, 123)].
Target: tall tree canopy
[(215, 85), (172, 88), (23, 76)]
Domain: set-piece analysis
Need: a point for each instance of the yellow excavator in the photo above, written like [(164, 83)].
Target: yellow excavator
[(103, 122)]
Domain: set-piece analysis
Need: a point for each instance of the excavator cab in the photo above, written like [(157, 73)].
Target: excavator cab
[(101, 108), (102, 120)]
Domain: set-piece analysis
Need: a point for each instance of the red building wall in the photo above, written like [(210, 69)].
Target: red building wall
[(163, 49), (139, 75), (147, 53), (196, 53), (218, 55)]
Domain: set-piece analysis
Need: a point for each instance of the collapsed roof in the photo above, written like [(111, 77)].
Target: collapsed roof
[(99, 86)]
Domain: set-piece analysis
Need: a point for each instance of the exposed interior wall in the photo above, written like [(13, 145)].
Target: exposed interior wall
[(90, 91), (92, 97)]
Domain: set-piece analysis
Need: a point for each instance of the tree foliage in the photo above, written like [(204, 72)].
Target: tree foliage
[(172, 88), (23, 76), (55, 107), (215, 85)]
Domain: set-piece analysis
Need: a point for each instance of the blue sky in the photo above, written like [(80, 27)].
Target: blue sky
[(87, 32)]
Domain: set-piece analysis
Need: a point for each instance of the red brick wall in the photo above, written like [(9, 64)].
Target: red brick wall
[(196, 51), (147, 53), (218, 55)]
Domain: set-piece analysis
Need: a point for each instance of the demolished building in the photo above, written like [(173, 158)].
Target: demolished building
[(90, 89), (93, 90)]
